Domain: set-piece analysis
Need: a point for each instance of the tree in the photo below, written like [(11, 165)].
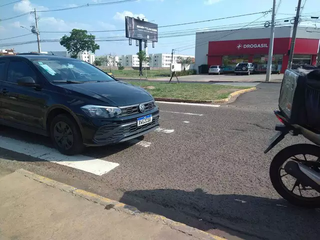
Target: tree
[(97, 62), (184, 61), (79, 41), (142, 56)]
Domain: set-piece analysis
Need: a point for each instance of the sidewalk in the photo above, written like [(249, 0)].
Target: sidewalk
[(204, 78), (33, 207)]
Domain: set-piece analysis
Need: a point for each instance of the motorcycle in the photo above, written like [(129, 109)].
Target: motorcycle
[(295, 170)]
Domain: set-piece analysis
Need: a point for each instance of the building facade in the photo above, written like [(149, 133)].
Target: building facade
[(131, 61), (84, 56), (158, 60), (164, 60), (87, 57), (229, 47)]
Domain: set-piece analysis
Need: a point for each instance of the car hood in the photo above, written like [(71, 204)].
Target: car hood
[(115, 92)]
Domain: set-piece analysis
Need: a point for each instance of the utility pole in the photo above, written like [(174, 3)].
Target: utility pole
[(140, 62), (36, 30), (270, 55), (294, 35), (172, 52)]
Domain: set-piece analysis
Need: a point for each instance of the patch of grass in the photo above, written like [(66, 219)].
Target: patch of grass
[(135, 73), (188, 91)]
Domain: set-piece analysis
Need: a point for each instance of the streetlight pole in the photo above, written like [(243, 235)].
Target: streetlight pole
[(270, 55), (294, 35)]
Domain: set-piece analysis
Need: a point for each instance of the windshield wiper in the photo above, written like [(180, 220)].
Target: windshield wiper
[(67, 81)]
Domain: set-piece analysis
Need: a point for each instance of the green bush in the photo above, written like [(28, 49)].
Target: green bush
[(120, 68), (186, 73)]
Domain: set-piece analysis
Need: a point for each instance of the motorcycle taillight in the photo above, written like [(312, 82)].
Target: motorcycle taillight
[(279, 118)]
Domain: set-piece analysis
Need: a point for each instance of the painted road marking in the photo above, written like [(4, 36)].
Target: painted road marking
[(141, 143), (190, 104), (80, 162), (186, 121), (184, 113), (164, 130)]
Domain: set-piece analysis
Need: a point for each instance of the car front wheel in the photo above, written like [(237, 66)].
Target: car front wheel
[(66, 135)]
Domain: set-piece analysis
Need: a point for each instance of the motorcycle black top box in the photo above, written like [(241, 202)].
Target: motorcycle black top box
[(295, 170)]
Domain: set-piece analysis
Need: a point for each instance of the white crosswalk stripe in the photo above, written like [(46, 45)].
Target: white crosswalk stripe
[(163, 130), (141, 143), (81, 162)]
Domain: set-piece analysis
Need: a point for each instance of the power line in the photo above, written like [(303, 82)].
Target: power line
[(168, 34), (17, 16), (3, 5), (69, 8), (23, 35), (86, 5), (218, 38)]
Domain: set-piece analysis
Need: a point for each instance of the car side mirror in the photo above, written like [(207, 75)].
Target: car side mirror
[(27, 82)]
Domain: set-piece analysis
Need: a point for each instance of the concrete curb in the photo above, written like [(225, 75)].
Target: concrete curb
[(235, 95), (108, 204), (183, 100)]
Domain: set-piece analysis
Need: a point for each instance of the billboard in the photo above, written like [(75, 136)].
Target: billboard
[(141, 30)]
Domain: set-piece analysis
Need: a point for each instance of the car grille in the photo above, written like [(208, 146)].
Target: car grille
[(114, 132), (131, 110)]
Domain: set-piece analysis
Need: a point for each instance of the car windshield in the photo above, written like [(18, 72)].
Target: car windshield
[(69, 70), (214, 66), (242, 64)]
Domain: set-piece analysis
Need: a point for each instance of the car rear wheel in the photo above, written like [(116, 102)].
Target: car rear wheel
[(66, 135)]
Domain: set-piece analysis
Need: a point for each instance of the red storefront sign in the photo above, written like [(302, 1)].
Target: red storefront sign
[(252, 47)]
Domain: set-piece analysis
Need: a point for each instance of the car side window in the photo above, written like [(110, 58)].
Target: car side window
[(19, 69), (2, 69)]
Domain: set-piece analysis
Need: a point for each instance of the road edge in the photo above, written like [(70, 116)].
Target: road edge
[(118, 206), (235, 95)]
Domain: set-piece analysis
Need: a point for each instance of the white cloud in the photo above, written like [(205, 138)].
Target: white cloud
[(15, 24), (72, 5), (2, 29), (122, 15), (106, 26), (211, 2), (53, 24), (25, 6)]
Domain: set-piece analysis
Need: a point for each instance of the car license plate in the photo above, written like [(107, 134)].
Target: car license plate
[(144, 120)]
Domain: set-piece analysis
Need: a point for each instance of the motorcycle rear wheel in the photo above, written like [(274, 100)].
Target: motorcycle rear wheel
[(276, 177)]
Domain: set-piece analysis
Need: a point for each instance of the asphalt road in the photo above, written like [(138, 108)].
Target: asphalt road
[(210, 172)]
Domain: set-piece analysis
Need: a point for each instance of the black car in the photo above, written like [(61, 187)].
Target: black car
[(244, 68), (73, 102)]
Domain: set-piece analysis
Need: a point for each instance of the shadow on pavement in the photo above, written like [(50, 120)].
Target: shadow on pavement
[(238, 215), (90, 152)]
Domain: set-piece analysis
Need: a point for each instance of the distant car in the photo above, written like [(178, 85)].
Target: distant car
[(244, 68), (215, 69)]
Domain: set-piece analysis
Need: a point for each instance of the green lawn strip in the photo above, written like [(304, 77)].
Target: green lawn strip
[(135, 73), (188, 91)]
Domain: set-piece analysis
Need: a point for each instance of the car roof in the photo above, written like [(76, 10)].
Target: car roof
[(33, 56)]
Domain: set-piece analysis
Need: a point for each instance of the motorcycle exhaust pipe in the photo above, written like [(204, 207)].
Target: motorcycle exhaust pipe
[(304, 174)]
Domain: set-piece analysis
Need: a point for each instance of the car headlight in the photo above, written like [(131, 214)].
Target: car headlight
[(101, 111)]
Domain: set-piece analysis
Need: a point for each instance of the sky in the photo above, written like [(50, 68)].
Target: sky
[(161, 12)]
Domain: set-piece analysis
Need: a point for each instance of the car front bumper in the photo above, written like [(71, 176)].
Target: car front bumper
[(111, 131)]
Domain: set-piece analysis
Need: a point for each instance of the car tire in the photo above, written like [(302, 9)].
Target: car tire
[(65, 135)]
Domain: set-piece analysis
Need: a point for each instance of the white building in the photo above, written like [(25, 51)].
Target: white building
[(109, 60), (131, 61), (84, 56), (159, 60), (87, 57), (164, 60)]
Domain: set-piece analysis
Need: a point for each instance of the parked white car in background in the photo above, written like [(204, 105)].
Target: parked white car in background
[(215, 69)]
